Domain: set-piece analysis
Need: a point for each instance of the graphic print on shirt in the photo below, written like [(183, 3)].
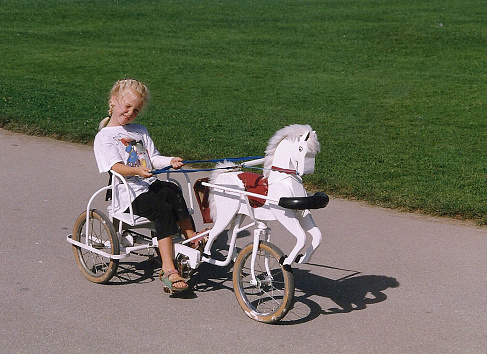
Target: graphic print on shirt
[(137, 153)]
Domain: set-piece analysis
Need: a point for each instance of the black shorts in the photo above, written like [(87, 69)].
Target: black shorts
[(164, 205)]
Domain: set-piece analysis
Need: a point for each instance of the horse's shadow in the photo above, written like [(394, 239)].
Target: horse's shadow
[(350, 293)]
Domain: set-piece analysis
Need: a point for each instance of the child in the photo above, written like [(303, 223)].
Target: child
[(127, 148)]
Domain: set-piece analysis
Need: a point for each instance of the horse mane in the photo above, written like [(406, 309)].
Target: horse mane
[(292, 132)]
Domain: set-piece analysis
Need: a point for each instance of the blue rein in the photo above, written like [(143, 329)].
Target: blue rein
[(230, 159)]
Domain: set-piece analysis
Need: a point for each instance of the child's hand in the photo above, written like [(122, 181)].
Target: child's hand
[(131, 171), (144, 172), (177, 162)]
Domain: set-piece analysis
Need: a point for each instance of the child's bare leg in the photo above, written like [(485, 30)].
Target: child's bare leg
[(186, 227), (165, 248)]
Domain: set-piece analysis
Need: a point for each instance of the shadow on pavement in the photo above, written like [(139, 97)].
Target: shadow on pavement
[(350, 293), (142, 269), (345, 294)]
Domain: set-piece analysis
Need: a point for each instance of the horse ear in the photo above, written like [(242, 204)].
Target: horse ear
[(307, 136)]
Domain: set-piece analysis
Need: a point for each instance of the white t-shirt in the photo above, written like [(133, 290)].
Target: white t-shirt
[(131, 145)]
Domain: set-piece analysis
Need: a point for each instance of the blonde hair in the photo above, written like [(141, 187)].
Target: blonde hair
[(118, 90)]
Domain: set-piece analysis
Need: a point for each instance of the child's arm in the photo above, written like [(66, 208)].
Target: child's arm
[(127, 171), (164, 161)]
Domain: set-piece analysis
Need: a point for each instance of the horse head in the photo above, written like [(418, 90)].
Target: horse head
[(292, 148)]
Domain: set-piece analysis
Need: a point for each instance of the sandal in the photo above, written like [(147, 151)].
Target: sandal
[(169, 284)]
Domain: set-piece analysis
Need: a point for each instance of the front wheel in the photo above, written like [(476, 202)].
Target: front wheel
[(270, 296), (102, 236)]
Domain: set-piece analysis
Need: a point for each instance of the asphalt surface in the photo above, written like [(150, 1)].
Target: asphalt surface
[(382, 281)]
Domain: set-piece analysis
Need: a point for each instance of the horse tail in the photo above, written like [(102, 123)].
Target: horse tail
[(220, 168)]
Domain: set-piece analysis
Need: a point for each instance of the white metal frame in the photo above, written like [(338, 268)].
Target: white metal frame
[(128, 221)]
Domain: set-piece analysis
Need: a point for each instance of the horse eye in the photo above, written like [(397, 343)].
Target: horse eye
[(300, 149)]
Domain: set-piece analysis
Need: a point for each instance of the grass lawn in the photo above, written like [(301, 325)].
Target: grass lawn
[(395, 89)]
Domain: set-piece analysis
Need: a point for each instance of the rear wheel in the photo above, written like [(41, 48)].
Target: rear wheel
[(102, 236), (271, 295)]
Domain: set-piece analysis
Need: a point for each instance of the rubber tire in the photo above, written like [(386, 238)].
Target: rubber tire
[(96, 268), (255, 300)]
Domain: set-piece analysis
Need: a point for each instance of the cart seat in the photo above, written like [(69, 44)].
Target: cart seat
[(127, 219)]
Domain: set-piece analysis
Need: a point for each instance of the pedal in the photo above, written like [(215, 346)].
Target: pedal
[(183, 267)]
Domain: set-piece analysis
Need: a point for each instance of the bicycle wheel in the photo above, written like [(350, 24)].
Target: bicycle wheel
[(95, 267), (270, 297)]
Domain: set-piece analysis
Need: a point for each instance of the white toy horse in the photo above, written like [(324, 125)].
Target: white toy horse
[(290, 154)]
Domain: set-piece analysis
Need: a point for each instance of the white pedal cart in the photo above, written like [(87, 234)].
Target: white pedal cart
[(263, 279)]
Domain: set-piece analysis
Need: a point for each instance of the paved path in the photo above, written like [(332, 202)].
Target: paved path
[(382, 282)]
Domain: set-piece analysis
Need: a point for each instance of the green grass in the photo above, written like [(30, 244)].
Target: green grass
[(394, 88)]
